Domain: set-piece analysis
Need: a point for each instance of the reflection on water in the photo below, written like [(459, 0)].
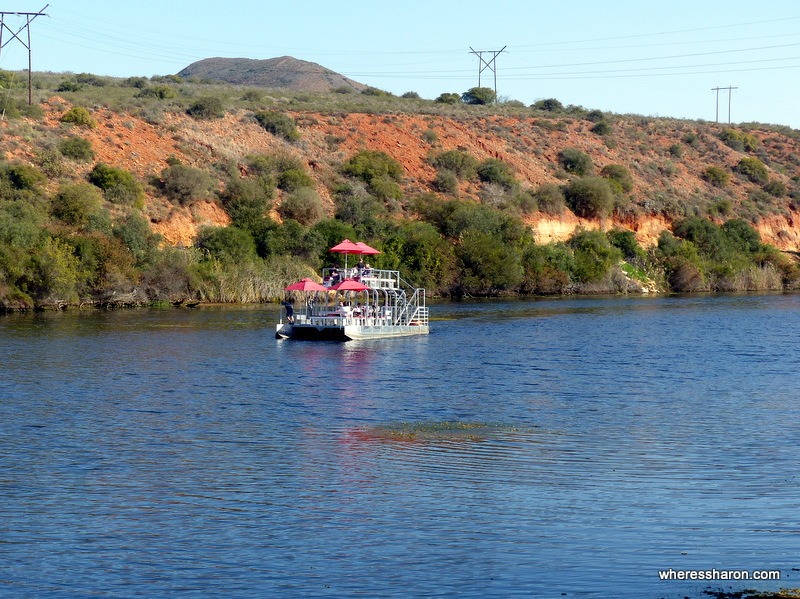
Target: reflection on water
[(550, 448)]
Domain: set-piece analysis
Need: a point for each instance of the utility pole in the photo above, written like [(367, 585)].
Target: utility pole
[(487, 64), (29, 16), (730, 89)]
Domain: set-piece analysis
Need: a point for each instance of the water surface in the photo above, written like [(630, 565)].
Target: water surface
[(541, 448)]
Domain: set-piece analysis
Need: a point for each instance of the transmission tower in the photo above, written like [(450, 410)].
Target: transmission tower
[(15, 35), (490, 64), (730, 89)]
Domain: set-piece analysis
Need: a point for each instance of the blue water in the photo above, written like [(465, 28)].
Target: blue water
[(552, 448)]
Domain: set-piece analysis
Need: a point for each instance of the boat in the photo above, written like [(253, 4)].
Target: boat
[(354, 304)]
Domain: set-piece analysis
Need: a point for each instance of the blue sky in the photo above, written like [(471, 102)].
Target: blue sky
[(643, 57)]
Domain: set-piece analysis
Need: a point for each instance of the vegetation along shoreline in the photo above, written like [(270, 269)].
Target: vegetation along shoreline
[(173, 190)]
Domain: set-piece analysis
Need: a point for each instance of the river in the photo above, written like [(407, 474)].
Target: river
[(545, 448)]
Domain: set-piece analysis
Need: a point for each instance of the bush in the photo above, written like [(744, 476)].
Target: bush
[(411, 96), (119, 186), (183, 184), (549, 105), (373, 167), (22, 176), (77, 204), (461, 164), (601, 128), (496, 171), (594, 255), (619, 174), (715, 175), (590, 197), (293, 179), (160, 92), (304, 206), (575, 162), (446, 182), (753, 169), (228, 244), (479, 95), (206, 108), (550, 199), (77, 148), (625, 241), (78, 115), (50, 162), (247, 201), (776, 188), (738, 140), (448, 98), (278, 124)]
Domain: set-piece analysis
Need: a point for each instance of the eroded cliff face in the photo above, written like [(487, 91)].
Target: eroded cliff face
[(665, 168)]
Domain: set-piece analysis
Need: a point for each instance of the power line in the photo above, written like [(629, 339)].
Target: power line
[(487, 64), (730, 89), (29, 16)]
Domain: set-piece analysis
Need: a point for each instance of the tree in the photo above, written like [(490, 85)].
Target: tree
[(590, 197), (575, 162), (448, 98), (479, 95)]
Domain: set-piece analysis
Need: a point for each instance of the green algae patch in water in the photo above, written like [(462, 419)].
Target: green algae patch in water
[(437, 431)]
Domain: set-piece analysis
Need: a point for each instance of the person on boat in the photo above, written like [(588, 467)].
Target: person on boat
[(367, 270), (359, 269), (310, 306), (289, 311), (335, 276)]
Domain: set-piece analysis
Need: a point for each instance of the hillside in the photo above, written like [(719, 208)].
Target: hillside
[(673, 169), (530, 145), (283, 72)]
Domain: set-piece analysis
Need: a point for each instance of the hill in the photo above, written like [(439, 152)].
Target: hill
[(280, 166), (283, 72)]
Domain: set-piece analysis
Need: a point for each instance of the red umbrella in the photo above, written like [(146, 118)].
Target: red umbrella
[(350, 285), (346, 247), (365, 249), (306, 285)]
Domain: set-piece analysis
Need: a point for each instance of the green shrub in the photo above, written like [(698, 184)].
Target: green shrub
[(753, 169), (411, 96), (776, 188), (119, 186), (594, 255), (595, 116), (676, 151), (575, 162), (77, 148), (278, 124), (228, 244), (548, 105), (183, 184), (479, 95), (448, 98), (550, 199), (590, 197), (50, 162), (160, 92), (22, 176), (206, 108), (303, 205), (691, 139), (738, 140), (134, 231), (625, 241), (601, 128), (247, 201), (369, 165), (461, 164), (496, 171), (293, 179), (620, 175), (486, 265), (715, 175), (76, 204), (77, 115), (445, 181)]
